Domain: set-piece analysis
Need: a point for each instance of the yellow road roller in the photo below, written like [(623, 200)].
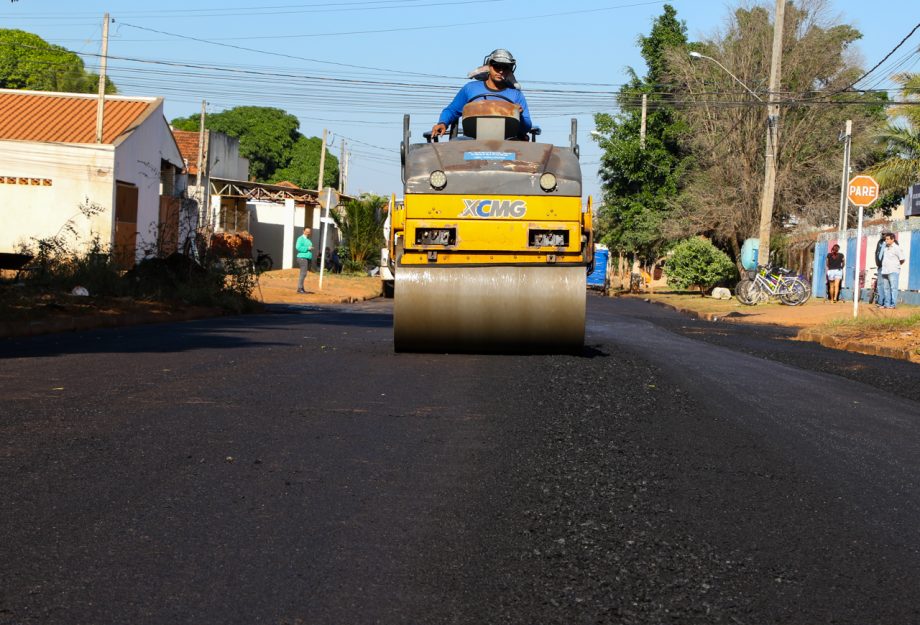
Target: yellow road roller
[(491, 247)]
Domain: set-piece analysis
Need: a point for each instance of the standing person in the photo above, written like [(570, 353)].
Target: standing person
[(890, 271), (336, 261), (834, 264), (499, 82), (304, 253)]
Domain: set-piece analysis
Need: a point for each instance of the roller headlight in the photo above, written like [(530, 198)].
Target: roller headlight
[(547, 182), (437, 179)]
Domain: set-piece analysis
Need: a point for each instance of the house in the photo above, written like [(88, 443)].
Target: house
[(274, 214), (125, 190)]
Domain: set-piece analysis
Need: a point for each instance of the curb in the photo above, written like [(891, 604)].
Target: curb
[(809, 334), (14, 329)]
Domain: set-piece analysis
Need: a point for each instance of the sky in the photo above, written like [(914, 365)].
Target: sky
[(355, 67)]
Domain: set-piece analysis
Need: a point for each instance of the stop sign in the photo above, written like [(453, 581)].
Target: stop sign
[(862, 190)]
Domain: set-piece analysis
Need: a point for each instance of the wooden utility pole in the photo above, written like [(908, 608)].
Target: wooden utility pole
[(100, 105), (644, 114), (769, 182)]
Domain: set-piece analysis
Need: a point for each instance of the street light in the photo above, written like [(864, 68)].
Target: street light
[(697, 55), (769, 183)]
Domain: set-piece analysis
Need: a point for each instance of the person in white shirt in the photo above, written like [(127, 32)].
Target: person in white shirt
[(889, 272)]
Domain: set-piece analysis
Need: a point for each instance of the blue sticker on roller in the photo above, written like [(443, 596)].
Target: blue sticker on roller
[(489, 156)]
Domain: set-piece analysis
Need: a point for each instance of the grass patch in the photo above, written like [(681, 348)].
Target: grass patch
[(910, 322)]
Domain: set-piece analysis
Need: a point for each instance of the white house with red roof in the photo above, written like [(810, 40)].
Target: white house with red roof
[(52, 169)]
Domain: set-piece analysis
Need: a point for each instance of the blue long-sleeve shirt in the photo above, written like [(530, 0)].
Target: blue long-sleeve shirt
[(478, 87)]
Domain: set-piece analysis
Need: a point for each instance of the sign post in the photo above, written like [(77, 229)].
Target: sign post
[(861, 191), (328, 198)]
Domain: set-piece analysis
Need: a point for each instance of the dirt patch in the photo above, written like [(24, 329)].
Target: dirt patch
[(280, 287), (896, 332)]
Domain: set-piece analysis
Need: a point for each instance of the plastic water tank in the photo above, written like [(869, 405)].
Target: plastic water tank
[(749, 250)]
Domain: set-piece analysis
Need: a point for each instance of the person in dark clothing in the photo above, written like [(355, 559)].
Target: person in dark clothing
[(834, 264)]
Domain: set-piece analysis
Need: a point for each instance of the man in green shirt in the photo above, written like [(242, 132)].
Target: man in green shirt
[(304, 253)]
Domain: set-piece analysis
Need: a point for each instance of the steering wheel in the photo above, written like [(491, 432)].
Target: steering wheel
[(491, 95)]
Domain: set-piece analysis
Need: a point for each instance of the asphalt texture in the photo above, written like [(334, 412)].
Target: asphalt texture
[(290, 468)]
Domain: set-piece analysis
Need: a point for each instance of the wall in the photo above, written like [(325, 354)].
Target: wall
[(224, 158), (137, 161), (908, 236), (77, 173), (266, 217)]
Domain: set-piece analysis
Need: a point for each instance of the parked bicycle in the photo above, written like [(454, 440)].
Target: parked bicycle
[(263, 261), (768, 283)]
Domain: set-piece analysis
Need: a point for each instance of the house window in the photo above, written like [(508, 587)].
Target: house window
[(26, 181)]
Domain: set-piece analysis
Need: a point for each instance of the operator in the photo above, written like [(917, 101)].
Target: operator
[(499, 81)]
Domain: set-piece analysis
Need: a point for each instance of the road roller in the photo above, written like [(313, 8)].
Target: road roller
[(491, 245)]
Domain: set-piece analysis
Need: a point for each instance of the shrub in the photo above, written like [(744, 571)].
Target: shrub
[(697, 262)]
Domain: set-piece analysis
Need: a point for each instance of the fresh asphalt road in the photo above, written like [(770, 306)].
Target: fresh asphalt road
[(289, 468)]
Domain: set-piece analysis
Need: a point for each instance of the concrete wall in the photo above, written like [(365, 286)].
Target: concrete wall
[(224, 159), (265, 218), (77, 173)]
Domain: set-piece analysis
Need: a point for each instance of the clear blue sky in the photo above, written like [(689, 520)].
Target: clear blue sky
[(354, 67)]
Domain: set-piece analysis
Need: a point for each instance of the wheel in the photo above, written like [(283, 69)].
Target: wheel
[(796, 293), (745, 292), (264, 263)]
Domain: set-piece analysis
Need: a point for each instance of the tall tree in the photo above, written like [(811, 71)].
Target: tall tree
[(271, 140), (303, 168), (901, 140), (639, 183), (728, 124), (29, 62), (361, 224)]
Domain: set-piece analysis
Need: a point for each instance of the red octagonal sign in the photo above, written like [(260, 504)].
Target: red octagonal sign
[(862, 190)]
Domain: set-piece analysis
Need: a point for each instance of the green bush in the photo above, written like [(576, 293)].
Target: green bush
[(697, 262)]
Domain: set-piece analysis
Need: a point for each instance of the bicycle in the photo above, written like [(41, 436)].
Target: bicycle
[(263, 261), (783, 284)]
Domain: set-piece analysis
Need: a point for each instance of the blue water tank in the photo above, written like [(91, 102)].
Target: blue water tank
[(749, 250), (598, 277)]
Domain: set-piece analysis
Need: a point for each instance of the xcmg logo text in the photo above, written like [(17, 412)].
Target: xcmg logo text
[(494, 208)]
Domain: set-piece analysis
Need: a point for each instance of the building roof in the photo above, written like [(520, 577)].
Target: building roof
[(69, 117), (187, 140)]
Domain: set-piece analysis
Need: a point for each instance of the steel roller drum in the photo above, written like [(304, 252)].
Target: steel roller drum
[(489, 309)]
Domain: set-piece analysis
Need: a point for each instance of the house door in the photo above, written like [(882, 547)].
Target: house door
[(168, 230), (124, 250)]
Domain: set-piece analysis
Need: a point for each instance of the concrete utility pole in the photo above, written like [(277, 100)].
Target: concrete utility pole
[(642, 127), (342, 169), (769, 182), (100, 105), (322, 165), (845, 178), (198, 193)]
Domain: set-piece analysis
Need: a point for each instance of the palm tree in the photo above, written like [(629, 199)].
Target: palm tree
[(902, 141), (361, 225)]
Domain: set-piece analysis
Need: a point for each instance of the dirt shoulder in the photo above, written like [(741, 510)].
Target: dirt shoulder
[(890, 333), (26, 313)]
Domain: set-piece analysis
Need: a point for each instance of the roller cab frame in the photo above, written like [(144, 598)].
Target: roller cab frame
[(492, 243)]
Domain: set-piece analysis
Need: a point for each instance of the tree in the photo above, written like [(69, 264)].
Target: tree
[(270, 139), (361, 225), (901, 140), (639, 183), (697, 262), (29, 62), (728, 125), (303, 168)]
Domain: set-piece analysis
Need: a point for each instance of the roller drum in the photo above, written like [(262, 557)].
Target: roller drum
[(489, 309)]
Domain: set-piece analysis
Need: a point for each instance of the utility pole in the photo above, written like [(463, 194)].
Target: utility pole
[(769, 182), (198, 193), (844, 179), (342, 169), (642, 127), (100, 105)]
